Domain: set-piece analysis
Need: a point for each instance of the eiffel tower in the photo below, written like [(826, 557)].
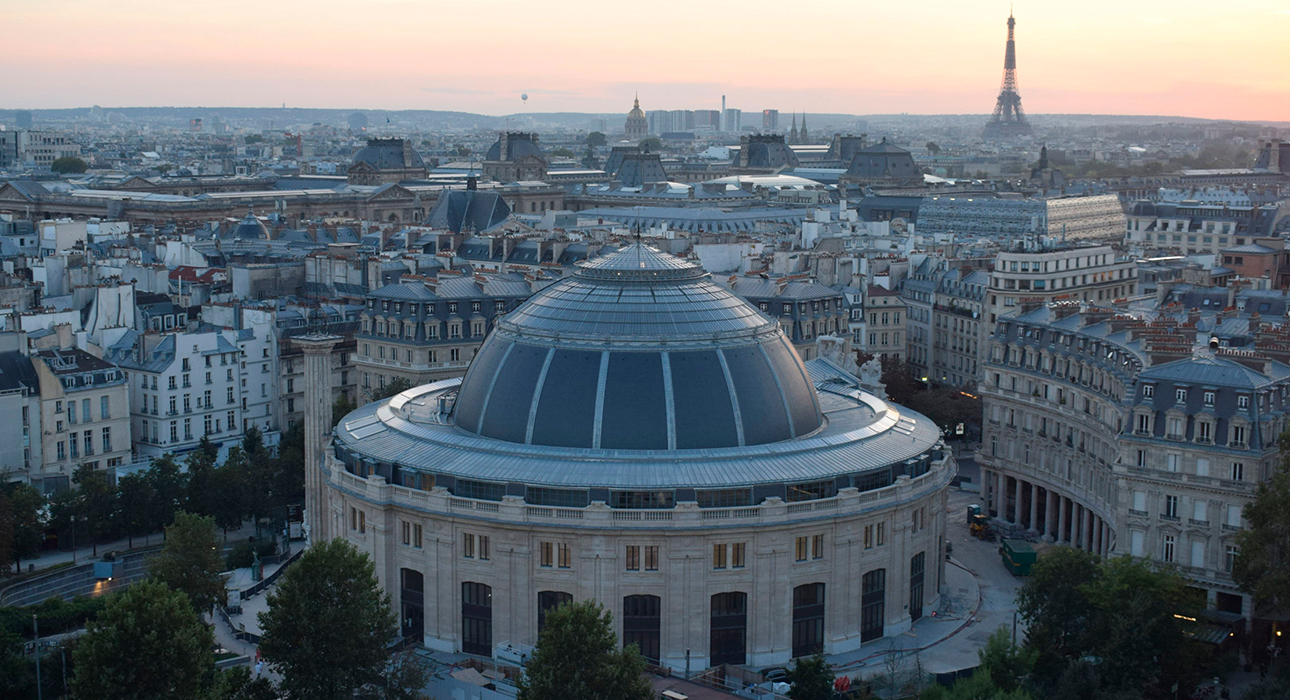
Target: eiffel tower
[(1008, 120)]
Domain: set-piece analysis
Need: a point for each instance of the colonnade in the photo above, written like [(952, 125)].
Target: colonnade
[(1055, 517)]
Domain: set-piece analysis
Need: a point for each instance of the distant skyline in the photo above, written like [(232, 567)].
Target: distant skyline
[(1182, 57)]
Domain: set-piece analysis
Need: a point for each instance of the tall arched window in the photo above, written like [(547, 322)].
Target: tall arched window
[(728, 629), (808, 619), (548, 601), (642, 624), (476, 619)]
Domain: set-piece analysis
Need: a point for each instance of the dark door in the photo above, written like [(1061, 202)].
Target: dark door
[(729, 627), (873, 604), (412, 596), (476, 619), (550, 600), (916, 588), (808, 619), (641, 625)]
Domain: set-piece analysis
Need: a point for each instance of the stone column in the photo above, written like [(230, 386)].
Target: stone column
[(1001, 495), (1077, 524), (1034, 507), (1089, 539), (1050, 517), (1061, 519), (1016, 501), (318, 401)]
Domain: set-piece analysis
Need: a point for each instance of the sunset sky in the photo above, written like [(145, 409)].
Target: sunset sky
[(1157, 57)]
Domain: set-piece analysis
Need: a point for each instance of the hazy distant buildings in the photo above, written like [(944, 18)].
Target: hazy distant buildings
[(770, 120), (734, 119), (636, 126), (386, 160)]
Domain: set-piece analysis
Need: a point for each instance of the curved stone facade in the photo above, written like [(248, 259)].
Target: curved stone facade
[(815, 524)]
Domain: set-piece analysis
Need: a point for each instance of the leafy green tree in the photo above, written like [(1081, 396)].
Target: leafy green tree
[(405, 679), (237, 684), (17, 675), (1054, 604), (20, 515), (254, 138), (340, 408), (68, 164), (811, 679), (328, 624), (596, 139), (933, 148), (391, 388), (190, 562), (1005, 662), (148, 644), (578, 656), (651, 144), (1262, 566), (288, 467), (135, 498), (564, 153), (170, 487)]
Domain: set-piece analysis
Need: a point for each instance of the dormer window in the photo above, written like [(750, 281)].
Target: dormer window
[(1209, 398), (1148, 391), (1242, 402), (1180, 395)]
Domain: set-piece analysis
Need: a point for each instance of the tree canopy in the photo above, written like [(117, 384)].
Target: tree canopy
[(578, 656), (811, 679), (328, 624), (596, 138), (652, 143), (148, 644), (68, 164), (21, 529), (1127, 619), (1262, 566), (391, 388), (190, 562)]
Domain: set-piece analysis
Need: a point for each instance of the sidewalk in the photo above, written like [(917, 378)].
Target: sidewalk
[(90, 552), (931, 637)]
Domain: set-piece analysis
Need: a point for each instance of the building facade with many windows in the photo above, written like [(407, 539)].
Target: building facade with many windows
[(638, 435), (1129, 434), (85, 416), (423, 329)]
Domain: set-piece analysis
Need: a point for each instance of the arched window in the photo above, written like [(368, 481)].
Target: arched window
[(476, 619), (642, 624), (728, 629), (548, 601), (808, 619), (412, 601), (916, 565), (873, 604)]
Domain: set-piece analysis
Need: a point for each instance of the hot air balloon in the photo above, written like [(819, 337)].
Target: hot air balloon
[(525, 97)]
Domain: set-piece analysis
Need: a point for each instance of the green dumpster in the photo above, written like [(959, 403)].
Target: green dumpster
[(1018, 556)]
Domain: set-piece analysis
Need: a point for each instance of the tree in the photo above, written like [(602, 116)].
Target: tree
[(811, 679), (68, 164), (933, 148), (147, 644), (596, 139), (578, 656), (391, 388), (1005, 662), (564, 153), (237, 684), (651, 144), (1053, 601), (340, 408), (1262, 566), (170, 487), (405, 679), (134, 499), (190, 562), (254, 138), (328, 623)]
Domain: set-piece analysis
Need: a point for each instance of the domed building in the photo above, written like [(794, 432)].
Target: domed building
[(636, 126), (386, 160), (249, 228), (637, 434)]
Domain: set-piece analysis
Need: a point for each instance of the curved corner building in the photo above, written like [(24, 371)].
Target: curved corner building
[(638, 435)]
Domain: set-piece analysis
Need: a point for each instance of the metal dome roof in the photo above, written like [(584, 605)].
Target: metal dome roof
[(249, 227), (637, 350), (388, 154)]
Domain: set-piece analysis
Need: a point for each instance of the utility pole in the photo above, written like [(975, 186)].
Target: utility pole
[(35, 627)]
